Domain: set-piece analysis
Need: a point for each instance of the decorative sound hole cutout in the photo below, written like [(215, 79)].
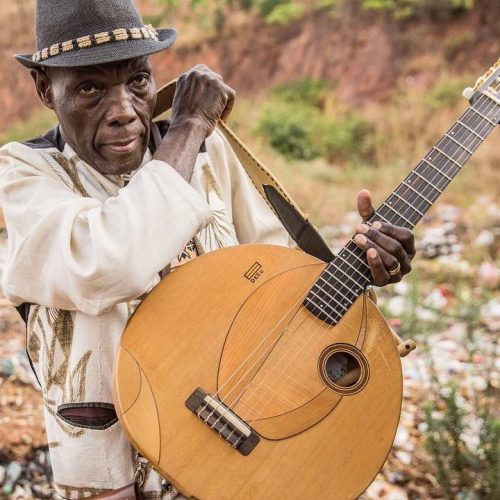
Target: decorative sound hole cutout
[(343, 368)]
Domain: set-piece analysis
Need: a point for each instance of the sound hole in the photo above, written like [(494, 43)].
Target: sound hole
[(343, 368)]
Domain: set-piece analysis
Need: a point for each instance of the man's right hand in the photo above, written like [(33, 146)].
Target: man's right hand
[(202, 98)]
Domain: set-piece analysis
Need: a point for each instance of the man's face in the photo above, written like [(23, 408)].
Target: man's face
[(105, 112)]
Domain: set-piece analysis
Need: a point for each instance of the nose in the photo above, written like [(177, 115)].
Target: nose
[(120, 107)]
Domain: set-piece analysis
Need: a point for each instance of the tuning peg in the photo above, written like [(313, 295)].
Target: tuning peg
[(468, 93)]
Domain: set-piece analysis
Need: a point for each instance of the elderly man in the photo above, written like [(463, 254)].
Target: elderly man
[(99, 206)]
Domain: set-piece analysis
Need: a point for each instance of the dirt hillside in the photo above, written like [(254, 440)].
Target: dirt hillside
[(364, 54)]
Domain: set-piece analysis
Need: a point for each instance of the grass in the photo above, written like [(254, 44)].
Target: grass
[(41, 121), (405, 128)]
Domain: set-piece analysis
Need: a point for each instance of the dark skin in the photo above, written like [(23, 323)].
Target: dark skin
[(105, 115)]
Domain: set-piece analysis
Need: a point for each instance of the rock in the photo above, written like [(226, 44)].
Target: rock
[(485, 238), (12, 474), (6, 367), (404, 457), (488, 275), (382, 490)]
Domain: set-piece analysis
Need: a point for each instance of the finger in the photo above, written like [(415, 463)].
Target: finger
[(391, 245), (229, 105), (379, 273), (364, 204), (388, 261), (402, 234)]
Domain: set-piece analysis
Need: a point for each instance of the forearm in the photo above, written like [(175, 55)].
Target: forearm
[(180, 146), (100, 253)]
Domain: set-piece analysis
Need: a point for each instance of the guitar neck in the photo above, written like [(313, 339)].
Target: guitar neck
[(348, 275)]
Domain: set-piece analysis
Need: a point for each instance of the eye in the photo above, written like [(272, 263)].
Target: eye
[(88, 89), (141, 79)]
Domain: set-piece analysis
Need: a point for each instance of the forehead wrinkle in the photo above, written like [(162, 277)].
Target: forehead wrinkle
[(114, 67)]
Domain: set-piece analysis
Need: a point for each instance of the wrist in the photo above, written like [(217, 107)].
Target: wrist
[(191, 125)]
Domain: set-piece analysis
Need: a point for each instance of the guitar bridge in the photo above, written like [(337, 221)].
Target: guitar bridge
[(223, 421)]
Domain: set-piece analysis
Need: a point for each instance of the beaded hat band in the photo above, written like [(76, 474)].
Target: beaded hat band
[(117, 35)]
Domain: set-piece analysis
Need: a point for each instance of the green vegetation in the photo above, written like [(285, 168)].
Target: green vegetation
[(294, 123), (213, 14), (39, 123), (460, 469), (446, 93)]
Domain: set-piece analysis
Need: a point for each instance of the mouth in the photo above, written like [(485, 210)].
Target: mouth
[(124, 146)]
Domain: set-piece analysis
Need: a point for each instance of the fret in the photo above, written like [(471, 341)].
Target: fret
[(348, 302), (333, 320), (449, 157), (408, 203), (327, 303), (437, 169), (459, 143), (344, 279), (417, 192), (329, 293), (327, 271), (351, 266), (464, 135), (355, 256), (484, 117), (476, 121), (471, 130), (427, 182), (397, 213), (379, 215), (357, 284)]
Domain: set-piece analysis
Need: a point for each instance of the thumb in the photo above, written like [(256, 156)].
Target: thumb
[(365, 207)]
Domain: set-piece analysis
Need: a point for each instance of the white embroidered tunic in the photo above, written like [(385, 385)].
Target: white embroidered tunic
[(83, 247)]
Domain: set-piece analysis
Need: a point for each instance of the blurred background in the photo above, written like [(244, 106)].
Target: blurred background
[(334, 96)]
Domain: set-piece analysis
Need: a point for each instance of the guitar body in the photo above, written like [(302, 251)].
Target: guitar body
[(233, 323)]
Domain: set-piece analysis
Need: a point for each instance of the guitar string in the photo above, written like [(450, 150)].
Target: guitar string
[(441, 169), (291, 363), (425, 190), (265, 353), (242, 364), (356, 263)]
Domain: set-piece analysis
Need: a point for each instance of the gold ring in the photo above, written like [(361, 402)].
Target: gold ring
[(395, 271)]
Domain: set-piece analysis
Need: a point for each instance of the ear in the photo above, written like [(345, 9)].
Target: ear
[(43, 86)]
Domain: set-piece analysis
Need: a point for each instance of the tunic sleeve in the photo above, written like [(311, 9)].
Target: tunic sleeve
[(79, 253), (254, 220)]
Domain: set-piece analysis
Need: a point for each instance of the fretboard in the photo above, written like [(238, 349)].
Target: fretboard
[(348, 275)]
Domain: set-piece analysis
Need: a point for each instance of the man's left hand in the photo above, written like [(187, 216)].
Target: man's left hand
[(389, 249)]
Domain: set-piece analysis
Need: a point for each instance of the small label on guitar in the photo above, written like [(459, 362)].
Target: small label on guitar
[(254, 272)]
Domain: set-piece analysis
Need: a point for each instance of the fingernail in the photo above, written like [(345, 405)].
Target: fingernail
[(359, 238), (372, 253), (363, 228), (377, 225)]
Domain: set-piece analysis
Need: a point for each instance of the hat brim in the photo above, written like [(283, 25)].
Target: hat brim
[(105, 53)]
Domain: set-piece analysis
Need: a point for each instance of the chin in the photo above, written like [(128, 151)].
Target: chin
[(119, 166)]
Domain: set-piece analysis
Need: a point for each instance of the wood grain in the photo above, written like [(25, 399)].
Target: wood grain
[(196, 328)]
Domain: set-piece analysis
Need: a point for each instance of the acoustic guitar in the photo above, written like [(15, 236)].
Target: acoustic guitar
[(261, 372)]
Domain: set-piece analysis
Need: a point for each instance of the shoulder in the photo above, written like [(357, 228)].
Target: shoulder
[(27, 158)]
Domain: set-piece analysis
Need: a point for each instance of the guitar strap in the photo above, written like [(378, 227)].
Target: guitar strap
[(291, 216)]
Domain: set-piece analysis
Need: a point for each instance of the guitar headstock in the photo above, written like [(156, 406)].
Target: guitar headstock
[(489, 85)]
